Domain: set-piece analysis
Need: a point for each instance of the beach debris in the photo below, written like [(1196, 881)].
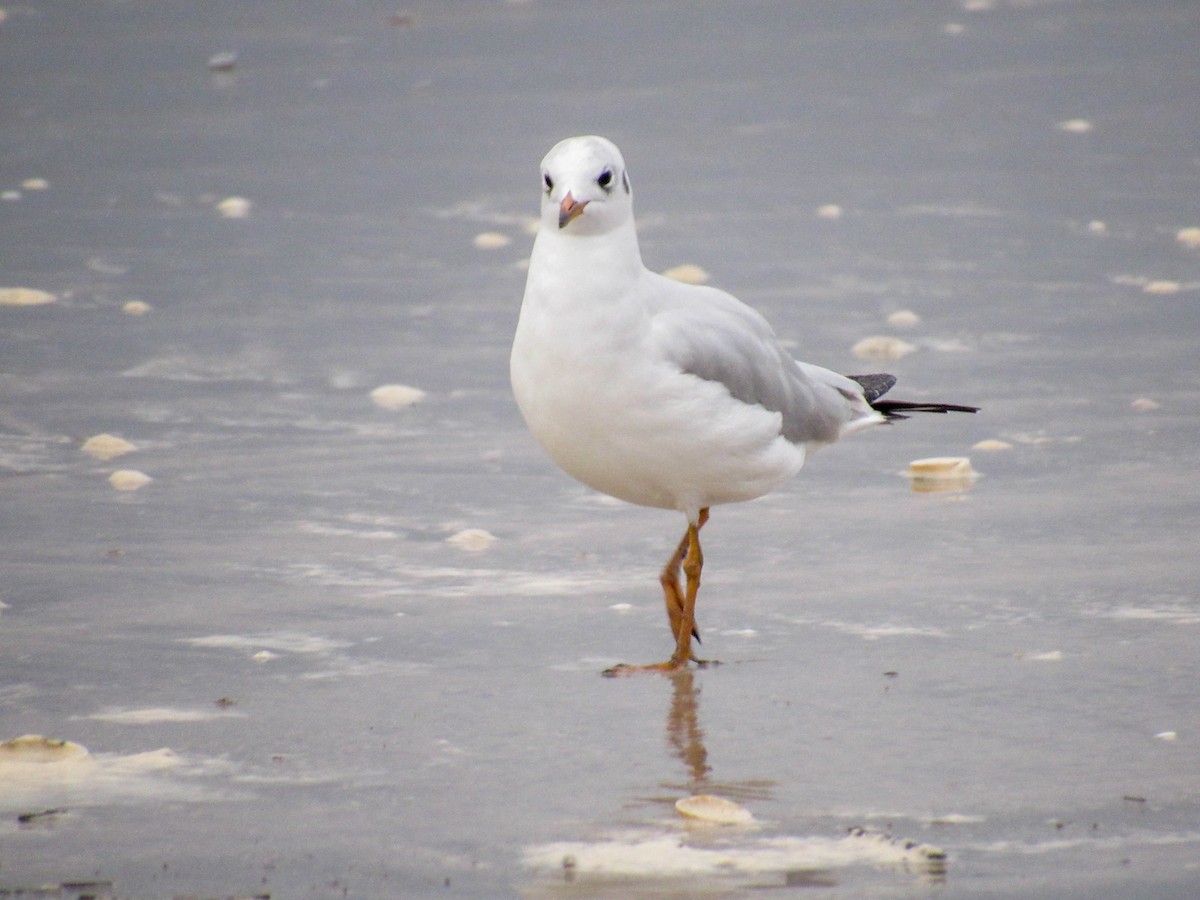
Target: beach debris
[(1075, 126), (23, 296), (234, 208), (222, 62), (474, 540), (687, 273), (36, 749), (881, 348), (396, 396), (106, 446), (491, 240), (903, 318), (128, 479), (941, 473), (710, 808)]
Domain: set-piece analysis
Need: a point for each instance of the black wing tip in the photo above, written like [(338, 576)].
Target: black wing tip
[(875, 386), (898, 409)]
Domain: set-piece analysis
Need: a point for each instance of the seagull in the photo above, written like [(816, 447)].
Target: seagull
[(660, 393)]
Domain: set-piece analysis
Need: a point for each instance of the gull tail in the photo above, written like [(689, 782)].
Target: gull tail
[(875, 386)]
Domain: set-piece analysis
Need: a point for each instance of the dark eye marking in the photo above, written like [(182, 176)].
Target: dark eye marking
[(605, 180), (548, 181), (625, 181)]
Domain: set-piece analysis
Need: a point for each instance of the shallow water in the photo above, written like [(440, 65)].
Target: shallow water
[(290, 682)]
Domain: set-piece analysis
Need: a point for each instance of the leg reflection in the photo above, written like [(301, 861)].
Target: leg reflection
[(684, 733)]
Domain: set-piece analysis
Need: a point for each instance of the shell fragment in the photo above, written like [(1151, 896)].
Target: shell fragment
[(718, 810)]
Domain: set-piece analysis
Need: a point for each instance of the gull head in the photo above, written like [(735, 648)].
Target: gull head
[(585, 188)]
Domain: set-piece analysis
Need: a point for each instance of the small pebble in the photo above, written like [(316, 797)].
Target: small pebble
[(264, 656), (128, 479), (234, 208), (106, 446), (472, 539), (1189, 237), (881, 348), (829, 211), (35, 184), (1161, 287), (396, 396), (1097, 227), (491, 240), (21, 296), (992, 444), (136, 308), (903, 318), (1144, 404), (688, 273), (718, 810), (1167, 736)]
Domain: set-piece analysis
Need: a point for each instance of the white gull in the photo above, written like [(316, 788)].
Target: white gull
[(660, 393)]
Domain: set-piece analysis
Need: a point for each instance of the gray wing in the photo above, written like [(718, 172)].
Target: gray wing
[(711, 335)]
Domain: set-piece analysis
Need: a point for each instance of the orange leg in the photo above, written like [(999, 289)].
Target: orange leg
[(673, 594), (681, 603)]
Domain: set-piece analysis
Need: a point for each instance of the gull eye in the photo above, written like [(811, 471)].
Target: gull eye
[(605, 179), (548, 181)]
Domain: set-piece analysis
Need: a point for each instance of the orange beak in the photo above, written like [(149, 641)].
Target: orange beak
[(570, 209)]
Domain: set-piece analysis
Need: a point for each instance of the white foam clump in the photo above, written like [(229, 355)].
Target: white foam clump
[(156, 714), (282, 641), (666, 856), (37, 770)]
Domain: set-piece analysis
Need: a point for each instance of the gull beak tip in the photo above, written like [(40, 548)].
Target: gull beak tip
[(570, 209)]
